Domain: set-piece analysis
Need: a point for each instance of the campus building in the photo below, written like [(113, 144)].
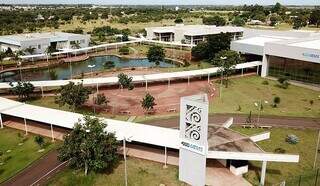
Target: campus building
[(41, 41), (190, 34), (294, 55)]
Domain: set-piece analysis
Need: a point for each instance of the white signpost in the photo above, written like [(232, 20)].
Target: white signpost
[(193, 136)]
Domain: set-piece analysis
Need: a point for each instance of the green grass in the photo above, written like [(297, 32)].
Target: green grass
[(140, 173), (245, 91), (18, 151), (277, 172)]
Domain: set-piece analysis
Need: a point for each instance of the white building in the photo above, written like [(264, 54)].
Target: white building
[(190, 34), (291, 54), (41, 41)]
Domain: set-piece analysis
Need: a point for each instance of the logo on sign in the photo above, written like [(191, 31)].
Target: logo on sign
[(317, 56), (193, 123), (192, 147)]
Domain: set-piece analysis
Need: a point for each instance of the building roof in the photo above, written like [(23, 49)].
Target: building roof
[(52, 36), (196, 30)]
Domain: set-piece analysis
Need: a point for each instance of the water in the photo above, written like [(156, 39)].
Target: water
[(63, 70)]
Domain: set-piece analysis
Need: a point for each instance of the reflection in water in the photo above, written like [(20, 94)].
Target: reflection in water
[(63, 71)]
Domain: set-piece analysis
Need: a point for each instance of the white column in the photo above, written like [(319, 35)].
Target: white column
[(208, 77), (97, 88), (263, 173), (146, 85), (191, 42), (165, 157), (188, 80), (242, 72), (25, 125), (52, 132), (41, 90), (1, 123), (265, 66)]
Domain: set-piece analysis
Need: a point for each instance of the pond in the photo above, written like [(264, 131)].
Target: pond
[(64, 71)]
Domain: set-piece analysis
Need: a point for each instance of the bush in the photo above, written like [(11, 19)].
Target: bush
[(283, 83), (265, 82), (292, 139), (124, 50), (280, 150), (238, 108), (39, 140), (276, 101)]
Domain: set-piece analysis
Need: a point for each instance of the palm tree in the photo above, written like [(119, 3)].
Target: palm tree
[(75, 45), (2, 56), (30, 50), (49, 51), (17, 58)]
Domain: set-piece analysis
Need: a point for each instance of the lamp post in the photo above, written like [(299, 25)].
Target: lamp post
[(19, 64), (94, 107), (125, 158), (221, 84)]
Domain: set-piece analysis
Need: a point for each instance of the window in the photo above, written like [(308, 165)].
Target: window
[(39, 46), (82, 41)]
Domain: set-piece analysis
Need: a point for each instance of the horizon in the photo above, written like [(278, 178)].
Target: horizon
[(163, 2)]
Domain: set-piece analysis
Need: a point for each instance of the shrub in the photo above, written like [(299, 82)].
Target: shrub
[(292, 139), (276, 101), (280, 150), (283, 83), (124, 50), (265, 82), (311, 102), (39, 140), (238, 108)]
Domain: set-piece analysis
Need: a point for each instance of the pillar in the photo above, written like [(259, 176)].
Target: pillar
[(191, 42), (97, 88), (52, 132), (242, 72), (165, 157), (41, 91), (258, 67), (146, 85), (208, 77), (188, 80), (265, 66), (263, 173), (168, 82), (25, 125), (1, 122)]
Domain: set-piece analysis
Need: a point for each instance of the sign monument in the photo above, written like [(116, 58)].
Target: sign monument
[(193, 139)]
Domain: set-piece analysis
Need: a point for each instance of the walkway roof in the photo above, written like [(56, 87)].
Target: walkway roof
[(147, 134), (136, 78)]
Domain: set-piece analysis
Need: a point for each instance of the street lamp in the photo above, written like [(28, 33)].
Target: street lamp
[(19, 64), (94, 107), (128, 139), (222, 58)]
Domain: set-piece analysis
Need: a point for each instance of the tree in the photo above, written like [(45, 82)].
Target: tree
[(109, 65), (299, 22), (178, 20), (124, 37), (39, 140), (74, 95), (274, 20), (125, 81), (53, 74), (214, 44), (30, 50), (276, 101), (75, 44), (215, 20), (238, 21), (124, 50), (148, 102), (88, 146), (315, 17), (227, 60), (276, 8), (2, 56), (156, 54), (22, 89), (101, 99)]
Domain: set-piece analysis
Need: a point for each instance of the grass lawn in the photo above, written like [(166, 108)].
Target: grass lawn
[(18, 151), (245, 91), (140, 173), (277, 172)]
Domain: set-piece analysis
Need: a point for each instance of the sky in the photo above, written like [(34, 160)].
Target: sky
[(165, 2)]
